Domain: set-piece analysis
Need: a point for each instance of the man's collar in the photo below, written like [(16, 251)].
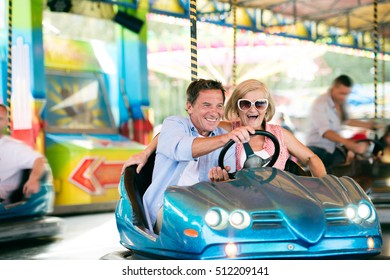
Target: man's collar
[(330, 99)]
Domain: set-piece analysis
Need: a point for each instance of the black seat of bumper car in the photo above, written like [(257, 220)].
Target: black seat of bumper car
[(292, 167), (136, 185), (17, 195)]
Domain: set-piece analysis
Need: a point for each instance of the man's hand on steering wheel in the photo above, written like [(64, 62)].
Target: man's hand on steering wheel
[(240, 134)]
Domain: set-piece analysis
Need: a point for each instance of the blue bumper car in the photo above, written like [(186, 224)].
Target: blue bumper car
[(26, 218), (263, 212)]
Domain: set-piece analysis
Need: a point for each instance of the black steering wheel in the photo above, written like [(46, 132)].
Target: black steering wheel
[(252, 159)]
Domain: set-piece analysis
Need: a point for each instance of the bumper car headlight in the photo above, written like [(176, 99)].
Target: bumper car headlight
[(216, 218), (239, 219), (364, 211), (351, 212), (231, 250), (361, 212)]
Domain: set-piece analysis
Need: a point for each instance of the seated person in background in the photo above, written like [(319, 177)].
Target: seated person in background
[(326, 117), (14, 157), (252, 105), (189, 146)]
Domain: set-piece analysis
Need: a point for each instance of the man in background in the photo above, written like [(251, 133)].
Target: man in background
[(14, 157), (327, 115)]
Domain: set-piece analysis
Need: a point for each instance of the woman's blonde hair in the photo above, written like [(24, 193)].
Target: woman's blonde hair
[(231, 108)]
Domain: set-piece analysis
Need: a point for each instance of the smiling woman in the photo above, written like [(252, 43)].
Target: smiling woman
[(252, 104)]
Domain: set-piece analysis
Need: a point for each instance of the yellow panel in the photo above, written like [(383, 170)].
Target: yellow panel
[(168, 6), (102, 171), (242, 18)]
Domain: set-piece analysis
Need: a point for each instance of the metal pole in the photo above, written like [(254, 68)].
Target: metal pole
[(383, 76), (376, 50), (234, 67), (194, 47), (9, 65)]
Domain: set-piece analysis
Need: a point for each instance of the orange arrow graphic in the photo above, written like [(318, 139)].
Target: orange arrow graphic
[(81, 177), (94, 174), (108, 174)]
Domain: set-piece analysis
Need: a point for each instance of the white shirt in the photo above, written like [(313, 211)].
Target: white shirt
[(14, 157), (190, 174), (263, 154), (323, 116)]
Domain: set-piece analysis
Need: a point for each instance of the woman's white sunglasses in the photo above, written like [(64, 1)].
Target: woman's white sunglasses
[(245, 104)]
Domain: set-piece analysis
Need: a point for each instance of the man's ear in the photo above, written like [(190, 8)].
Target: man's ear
[(188, 107)]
